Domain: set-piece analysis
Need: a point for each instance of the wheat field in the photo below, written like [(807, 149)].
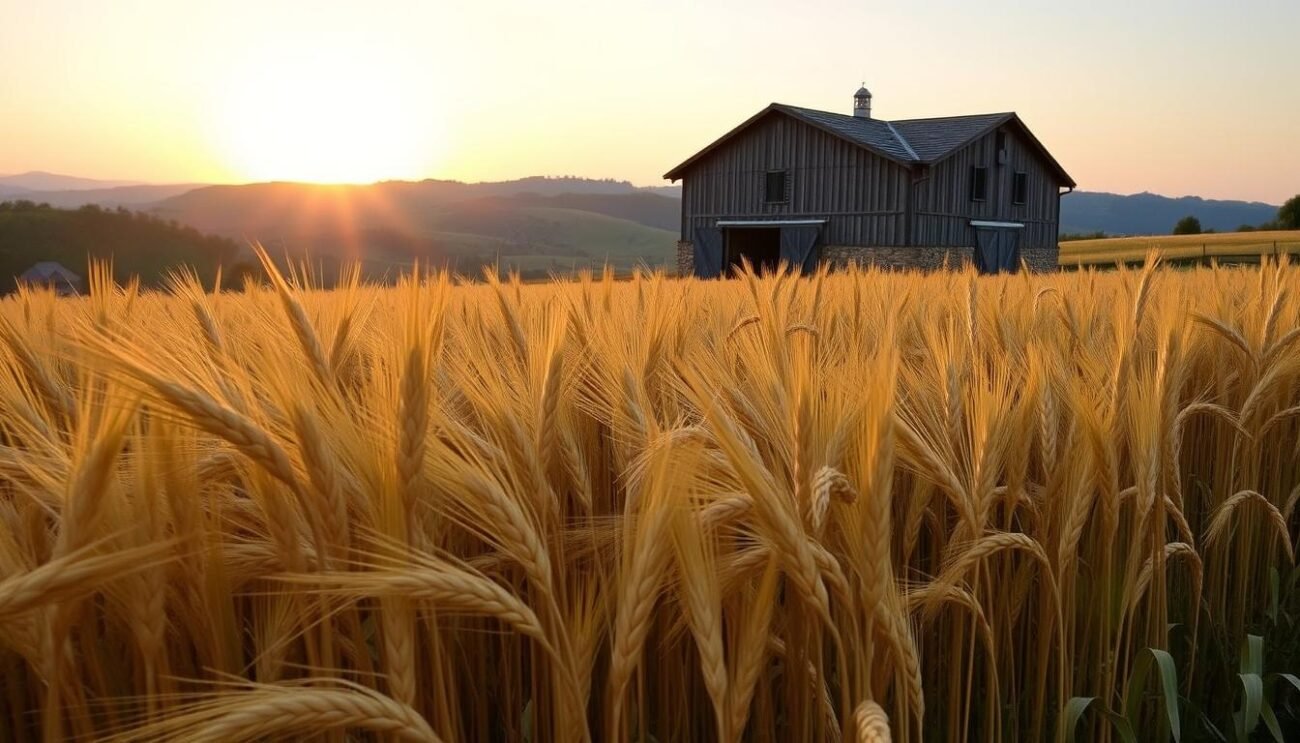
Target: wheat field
[(857, 506), (1229, 246)]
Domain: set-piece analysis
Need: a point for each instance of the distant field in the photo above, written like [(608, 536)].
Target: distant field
[(1236, 245)]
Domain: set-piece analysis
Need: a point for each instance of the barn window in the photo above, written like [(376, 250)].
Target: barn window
[(1002, 141), (775, 191), (1020, 188), (979, 183)]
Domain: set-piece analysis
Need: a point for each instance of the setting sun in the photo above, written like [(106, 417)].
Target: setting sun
[(336, 117)]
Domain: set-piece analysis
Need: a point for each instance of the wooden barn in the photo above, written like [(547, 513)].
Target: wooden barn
[(807, 186)]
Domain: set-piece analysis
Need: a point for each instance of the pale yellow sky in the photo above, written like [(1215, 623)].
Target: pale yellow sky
[(1173, 97)]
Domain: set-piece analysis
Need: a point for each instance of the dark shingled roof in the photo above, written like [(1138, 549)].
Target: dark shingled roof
[(873, 134), (910, 141), (933, 139)]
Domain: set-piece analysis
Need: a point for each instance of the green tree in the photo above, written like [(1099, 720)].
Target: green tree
[(1288, 216), (1188, 225), (1246, 228), (139, 245)]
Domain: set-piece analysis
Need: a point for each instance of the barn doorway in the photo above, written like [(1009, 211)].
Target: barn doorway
[(761, 246), (997, 247)]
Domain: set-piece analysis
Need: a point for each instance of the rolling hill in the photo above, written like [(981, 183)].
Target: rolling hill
[(533, 224), (1152, 214), (39, 180), (135, 197)]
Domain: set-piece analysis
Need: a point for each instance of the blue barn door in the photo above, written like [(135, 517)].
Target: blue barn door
[(798, 243), (708, 252), (1009, 250), (997, 250), (986, 250)]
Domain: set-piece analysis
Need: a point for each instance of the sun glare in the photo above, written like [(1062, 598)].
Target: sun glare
[(326, 118)]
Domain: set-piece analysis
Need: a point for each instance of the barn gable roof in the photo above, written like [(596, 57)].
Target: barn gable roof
[(907, 142)]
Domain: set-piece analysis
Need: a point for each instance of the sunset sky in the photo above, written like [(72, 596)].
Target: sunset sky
[(1176, 97)]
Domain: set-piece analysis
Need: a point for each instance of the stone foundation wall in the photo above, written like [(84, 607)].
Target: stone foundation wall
[(920, 258), (925, 258), (1042, 260), (685, 258)]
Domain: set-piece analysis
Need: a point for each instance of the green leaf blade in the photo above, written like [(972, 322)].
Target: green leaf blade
[(1074, 710), (1169, 685), (1252, 703)]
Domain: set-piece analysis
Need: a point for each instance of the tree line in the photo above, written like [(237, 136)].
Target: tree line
[(138, 244)]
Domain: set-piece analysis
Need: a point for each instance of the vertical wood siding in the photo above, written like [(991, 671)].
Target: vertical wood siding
[(862, 196), (944, 208)]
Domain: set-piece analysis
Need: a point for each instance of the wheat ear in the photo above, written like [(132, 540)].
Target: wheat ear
[(302, 327), (871, 723), (1222, 519), (274, 711), (447, 588), (73, 575)]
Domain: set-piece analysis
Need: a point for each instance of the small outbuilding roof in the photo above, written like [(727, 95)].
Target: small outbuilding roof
[(907, 142), (47, 271)]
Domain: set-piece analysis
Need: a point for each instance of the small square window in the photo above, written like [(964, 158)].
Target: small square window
[(979, 183), (774, 191), (1020, 188)]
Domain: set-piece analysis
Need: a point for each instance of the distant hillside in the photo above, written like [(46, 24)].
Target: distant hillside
[(1152, 214), (545, 185), (672, 192), (130, 196), (534, 223), (137, 243), (38, 180), (642, 207)]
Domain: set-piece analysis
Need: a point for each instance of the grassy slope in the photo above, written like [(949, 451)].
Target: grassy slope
[(396, 222), (1244, 244), (574, 233), (544, 239)]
